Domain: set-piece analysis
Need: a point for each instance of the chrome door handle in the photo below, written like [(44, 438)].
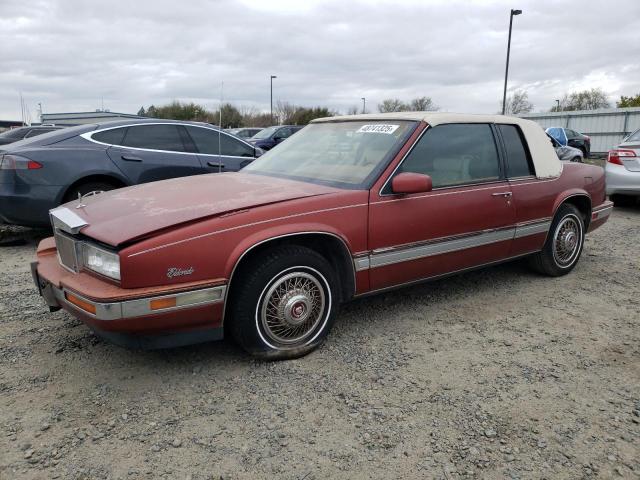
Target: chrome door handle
[(502, 194)]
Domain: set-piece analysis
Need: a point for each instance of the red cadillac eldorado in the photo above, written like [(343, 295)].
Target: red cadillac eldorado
[(347, 207)]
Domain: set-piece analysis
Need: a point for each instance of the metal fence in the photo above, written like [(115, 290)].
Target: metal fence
[(606, 127)]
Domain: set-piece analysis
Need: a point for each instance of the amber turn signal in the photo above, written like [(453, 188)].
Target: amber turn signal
[(80, 303), (161, 303)]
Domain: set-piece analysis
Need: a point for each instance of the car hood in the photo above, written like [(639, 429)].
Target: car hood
[(127, 214)]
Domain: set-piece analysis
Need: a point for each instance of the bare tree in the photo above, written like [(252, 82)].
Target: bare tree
[(423, 104), (584, 100), (517, 103), (284, 112), (392, 105), (353, 110)]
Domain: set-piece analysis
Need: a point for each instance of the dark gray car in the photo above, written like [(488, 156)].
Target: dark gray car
[(20, 133), (41, 173)]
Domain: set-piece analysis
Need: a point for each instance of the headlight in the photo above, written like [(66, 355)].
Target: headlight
[(101, 261)]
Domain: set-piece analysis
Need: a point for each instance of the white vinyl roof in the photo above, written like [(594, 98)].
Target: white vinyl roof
[(545, 160)]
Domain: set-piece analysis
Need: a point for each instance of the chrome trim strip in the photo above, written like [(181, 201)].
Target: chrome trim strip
[(89, 136), (443, 275), (443, 190), (532, 228), (140, 306), (66, 220), (295, 215), (439, 247), (602, 211), (362, 263)]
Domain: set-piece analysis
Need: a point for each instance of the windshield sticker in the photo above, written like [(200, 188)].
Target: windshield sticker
[(378, 128)]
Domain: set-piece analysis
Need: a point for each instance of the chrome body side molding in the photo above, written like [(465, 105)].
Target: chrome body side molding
[(403, 253)]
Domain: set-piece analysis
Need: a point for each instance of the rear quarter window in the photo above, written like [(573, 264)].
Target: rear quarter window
[(519, 163), (111, 137)]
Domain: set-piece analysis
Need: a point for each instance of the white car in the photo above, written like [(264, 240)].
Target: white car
[(623, 171)]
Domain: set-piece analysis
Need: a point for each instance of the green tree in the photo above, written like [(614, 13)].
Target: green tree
[(626, 102), (231, 117), (142, 112)]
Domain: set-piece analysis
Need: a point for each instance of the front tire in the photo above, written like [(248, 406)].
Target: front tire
[(284, 306), (564, 243)]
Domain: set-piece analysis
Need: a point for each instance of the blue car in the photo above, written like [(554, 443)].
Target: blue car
[(38, 174), (270, 137)]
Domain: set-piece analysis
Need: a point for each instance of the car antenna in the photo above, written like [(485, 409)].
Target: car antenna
[(220, 127)]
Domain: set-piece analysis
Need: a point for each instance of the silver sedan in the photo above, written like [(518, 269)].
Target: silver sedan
[(623, 171)]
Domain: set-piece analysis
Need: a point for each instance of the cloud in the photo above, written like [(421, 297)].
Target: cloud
[(71, 55)]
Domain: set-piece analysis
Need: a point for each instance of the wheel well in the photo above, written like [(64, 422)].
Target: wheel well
[(583, 204), (329, 246), (116, 182)]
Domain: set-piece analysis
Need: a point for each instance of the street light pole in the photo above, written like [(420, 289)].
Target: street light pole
[(364, 105), (558, 105), (506, 71), (272, 77)]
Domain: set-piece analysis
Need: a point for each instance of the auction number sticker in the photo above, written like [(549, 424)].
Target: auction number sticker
[(378, 128)]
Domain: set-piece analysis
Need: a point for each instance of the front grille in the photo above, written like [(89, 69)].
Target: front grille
[(67, 251)]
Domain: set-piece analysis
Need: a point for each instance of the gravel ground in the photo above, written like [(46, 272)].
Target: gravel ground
[(498, 373)]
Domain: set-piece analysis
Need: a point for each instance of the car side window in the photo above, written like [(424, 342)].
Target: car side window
[(110, 137), (155, 137), (634, 137), (455, 154), (283, 133), (206, 140), (519, 162)]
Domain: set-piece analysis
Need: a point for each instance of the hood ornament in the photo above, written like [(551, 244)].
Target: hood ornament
[(89, 194)]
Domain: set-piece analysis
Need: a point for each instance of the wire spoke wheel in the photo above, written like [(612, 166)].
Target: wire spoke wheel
[(566, 241), (292, 308)]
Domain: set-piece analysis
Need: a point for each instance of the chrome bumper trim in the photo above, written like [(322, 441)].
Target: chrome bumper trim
[(532, 229), (601, 212), (140, 306)]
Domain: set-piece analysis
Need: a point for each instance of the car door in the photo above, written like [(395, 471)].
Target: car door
[(150, 152), (464, 221), (219, 151), (531, 197)]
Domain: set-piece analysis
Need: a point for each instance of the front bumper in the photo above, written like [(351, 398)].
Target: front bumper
[(144, 318)]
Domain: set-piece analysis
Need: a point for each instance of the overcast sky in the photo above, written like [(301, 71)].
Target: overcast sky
[(71, 55)]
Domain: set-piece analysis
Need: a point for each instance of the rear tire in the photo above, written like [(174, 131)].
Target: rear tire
[(85, 188), (284, 303), (564, 243), (577, 159)]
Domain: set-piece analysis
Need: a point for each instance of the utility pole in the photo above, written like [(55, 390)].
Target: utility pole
[(364, 105), (506, 71), (272, 77)]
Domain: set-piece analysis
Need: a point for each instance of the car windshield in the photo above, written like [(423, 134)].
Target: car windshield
[(348, 154), (266, 133), (13, 133)]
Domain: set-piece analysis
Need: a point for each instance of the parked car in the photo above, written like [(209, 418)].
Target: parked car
[(20, 133), (349, 206), (246, 132), (565, 152), (623, 171), (571, 138), (41, 173), (272, 136)]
